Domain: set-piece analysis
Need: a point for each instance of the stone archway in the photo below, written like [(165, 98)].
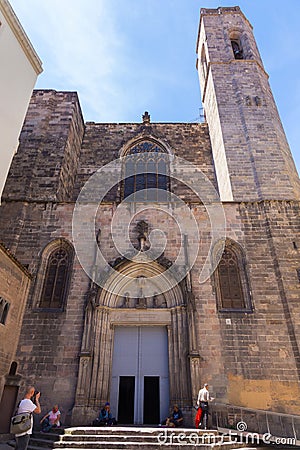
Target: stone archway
[(114, 308)]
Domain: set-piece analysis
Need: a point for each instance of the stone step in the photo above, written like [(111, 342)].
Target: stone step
[(52, 436), (42, 443), (110, 438), (138, 431), (129, 445), (90, 439), (32, 446)]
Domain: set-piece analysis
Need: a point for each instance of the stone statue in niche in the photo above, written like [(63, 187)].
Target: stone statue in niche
[(126, 300), (248, 100), (142, 229), (141, 303), (257, 100)]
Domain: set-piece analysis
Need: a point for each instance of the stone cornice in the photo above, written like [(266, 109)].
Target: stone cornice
[(21, 36), (224, 10)]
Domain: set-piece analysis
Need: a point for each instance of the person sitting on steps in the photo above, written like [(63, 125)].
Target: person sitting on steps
[(105, 417), (51, 419), (176, 418)]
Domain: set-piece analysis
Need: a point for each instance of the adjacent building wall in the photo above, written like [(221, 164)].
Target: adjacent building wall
[(14, 287), (20, 67)]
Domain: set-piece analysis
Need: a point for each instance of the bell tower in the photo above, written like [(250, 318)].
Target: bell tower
[(252, 157)]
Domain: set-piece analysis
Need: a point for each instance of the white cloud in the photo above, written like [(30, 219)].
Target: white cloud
[(79, 46), (116, 55)]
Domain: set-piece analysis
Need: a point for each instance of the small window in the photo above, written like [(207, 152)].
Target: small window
[(4, 307), (237, 49)]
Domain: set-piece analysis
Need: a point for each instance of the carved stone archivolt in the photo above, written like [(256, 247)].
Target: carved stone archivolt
[(168, 309)]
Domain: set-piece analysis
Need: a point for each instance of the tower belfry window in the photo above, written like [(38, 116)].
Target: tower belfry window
[(237, 49), (203, 62)]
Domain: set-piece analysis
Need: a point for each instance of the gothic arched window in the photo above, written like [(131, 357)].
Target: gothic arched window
[(231, 281), (146, 171), (54, 275)]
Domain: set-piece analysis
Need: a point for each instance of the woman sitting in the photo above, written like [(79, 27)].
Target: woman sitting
[(51, 419)]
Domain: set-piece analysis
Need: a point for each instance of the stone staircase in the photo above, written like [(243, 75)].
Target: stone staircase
[(132, 438)]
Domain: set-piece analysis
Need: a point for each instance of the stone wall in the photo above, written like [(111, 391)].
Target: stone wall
[(45, 165), (246, 353), (241, 353), (249, 353), (14, 287)]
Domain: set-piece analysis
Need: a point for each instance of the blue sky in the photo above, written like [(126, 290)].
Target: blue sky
[(127, 56)]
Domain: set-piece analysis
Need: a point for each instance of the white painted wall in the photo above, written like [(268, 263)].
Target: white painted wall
[(20, 67)]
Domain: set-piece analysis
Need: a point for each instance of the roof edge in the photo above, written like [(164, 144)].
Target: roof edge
[(12, 257), (21, 35)]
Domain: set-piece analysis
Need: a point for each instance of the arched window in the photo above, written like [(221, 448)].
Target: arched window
[(13, 368), (4, 307), (146, 171), (54, 275), (203, 62), (233, 291)]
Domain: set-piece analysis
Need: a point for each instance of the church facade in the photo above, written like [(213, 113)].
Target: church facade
[(163, 255)]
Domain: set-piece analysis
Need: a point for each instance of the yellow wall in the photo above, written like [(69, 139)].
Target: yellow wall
[(264, 394)]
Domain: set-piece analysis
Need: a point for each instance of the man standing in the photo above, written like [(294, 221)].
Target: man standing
[(202, 401), (27, 405)]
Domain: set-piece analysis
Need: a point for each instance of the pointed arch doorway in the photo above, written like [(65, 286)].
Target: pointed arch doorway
[(140, 375), (121, 332)]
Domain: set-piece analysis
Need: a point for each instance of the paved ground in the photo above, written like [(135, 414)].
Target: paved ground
[(5, 446)]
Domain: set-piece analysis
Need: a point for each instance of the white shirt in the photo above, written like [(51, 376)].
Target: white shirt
[(203, 395), (26, 405)]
